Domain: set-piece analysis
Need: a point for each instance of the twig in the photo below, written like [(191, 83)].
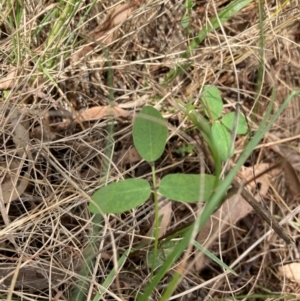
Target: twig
[(266, 215)]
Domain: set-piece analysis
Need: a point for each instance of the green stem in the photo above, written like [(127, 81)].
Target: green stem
[(261, 69), (213, 203), (201, 123), (60, 27), (81, 21), (79, 292), (230, 10), (156, 230)]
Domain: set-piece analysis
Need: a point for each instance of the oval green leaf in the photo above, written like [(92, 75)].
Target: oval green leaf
[(163, 252), (228, 121), (185, 21), (212, 102), (188, 188), (150, 133), (222, 140), (120, 196)]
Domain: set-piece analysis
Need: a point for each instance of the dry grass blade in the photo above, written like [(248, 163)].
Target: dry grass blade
[(56, 118), (34, 275), (265, 215), (292, 178), (104, 34)]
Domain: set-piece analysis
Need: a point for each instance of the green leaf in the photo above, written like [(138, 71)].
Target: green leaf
[(230, 10), (212, 102), (187, 187), (120, 196), (214, 258), (173, 73), (110, 277), (185, 149), (213, 24), (215, 200), (228, 121), (189, 4), (222, 140), (185, 21), (150, 133), (163, 252)]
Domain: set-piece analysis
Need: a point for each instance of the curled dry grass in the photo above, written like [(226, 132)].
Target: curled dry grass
[(45, 230)]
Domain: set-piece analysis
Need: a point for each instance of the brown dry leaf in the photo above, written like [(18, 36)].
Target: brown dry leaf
[(13, 184), (132, 156), (9, 80), (290, 165), (290, 271), (127, 156), (35, 275), (247, 174), (104, 33), (115, 16), (97, 113), (233, 209), (120, 13), (165, 214), (293, 182), (240, 208), (38, 93)]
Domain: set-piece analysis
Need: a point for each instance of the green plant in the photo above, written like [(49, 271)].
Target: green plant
[(222, 126), (150, 133), (185, 21), (184, 150), (230, 10), (150, 136)]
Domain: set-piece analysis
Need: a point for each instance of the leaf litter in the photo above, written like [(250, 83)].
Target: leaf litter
[(74, 143)]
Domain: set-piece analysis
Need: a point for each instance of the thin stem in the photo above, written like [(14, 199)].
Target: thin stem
[(79, 292), (214, 201), (156, 230), (201, 123)]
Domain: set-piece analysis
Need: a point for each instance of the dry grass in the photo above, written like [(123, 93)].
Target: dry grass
[(46, 228)]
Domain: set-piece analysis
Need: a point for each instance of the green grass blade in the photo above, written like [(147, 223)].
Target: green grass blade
[(81, 21), (214, 258), (261, 68), (223, 16), (215, 200), (170, 260), (230, 10), (59, 29), (79, 292), (110, 277)]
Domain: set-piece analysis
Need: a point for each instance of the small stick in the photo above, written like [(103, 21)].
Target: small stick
[(266, 215)]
